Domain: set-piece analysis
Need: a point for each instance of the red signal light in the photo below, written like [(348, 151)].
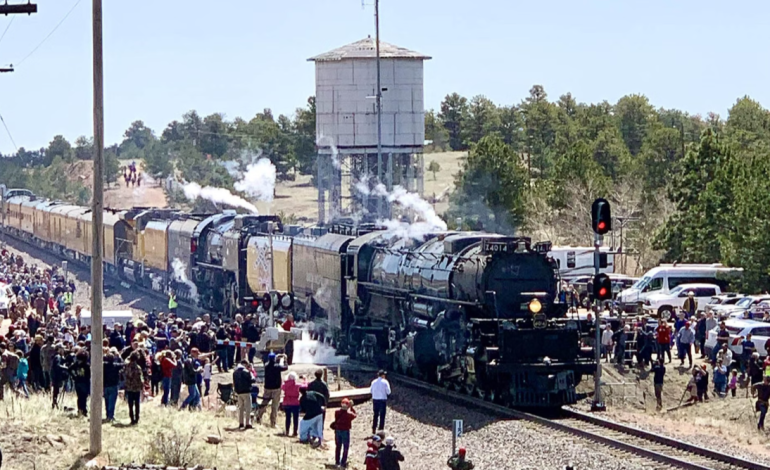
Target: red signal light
[(602, 292), (255, 303), (601, 225)]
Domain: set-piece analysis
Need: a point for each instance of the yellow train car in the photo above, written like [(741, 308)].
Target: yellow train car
[(109, 221), (13, 213), (259, 265), (153, 241), (27, 209), (59, 226)]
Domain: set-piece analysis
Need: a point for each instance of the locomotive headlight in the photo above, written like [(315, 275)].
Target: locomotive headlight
[(535, 306)]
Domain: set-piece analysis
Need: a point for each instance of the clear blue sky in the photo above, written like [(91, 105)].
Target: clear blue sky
[(165, 57)]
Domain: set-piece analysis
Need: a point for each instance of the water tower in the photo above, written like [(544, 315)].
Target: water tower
[(347, 126)]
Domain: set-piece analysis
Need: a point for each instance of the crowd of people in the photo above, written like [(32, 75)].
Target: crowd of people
[(636, 341), (46, 348)]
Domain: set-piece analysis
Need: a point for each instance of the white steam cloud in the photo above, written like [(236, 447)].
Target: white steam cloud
[(326, 141), (259, 180), (193, 191), (427, 219), (180, 275)]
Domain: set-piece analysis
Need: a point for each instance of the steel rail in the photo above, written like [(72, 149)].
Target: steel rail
[(661, 449)]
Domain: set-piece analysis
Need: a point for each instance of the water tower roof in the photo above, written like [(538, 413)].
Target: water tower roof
[(366, 49)]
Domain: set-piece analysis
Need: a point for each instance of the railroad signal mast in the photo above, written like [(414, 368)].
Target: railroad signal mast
[(601, 223)]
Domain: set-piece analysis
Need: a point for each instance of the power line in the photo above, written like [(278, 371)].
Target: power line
[(9, 133), (7, 27), (49, 34)]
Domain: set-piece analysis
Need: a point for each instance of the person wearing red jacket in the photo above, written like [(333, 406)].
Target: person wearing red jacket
[(343, 422), (372, 461)]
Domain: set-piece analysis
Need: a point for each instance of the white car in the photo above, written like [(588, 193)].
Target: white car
[(749, 303), (723, 301), (665, 304), (738, 329)]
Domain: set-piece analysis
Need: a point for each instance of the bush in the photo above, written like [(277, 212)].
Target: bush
[(174, 448)]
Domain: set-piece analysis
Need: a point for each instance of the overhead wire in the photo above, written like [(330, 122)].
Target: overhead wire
[(9, 133), (7, 27), (49, 34)]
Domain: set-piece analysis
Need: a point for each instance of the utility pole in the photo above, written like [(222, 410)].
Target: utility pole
[(15, 9), (97, 232), (378, 98)]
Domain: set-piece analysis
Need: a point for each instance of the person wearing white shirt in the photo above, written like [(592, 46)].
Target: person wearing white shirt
[(606, 341), (380, 390)]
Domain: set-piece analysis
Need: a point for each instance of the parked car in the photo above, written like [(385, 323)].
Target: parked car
[(666, 277), (760, 334), (724, 299), (743, 308), (666, 304)]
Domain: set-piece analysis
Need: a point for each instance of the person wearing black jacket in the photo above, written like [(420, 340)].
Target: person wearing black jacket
[(242, 381), (319, 386), (273, 382), (251, 333), (389, 456), (311, 426), (222, 349), (116, 337), (112, 367), (81, 374), (59, 372)]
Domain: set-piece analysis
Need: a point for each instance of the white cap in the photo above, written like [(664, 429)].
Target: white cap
[(389, 441)]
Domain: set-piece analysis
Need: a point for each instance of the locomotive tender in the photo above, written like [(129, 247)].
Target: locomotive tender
[(474, 311)]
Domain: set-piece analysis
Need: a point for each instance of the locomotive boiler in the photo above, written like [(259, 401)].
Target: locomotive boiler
[(476, 312)]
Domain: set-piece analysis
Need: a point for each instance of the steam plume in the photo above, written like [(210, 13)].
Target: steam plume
[(180, 275), (218, 196), (259, 180)]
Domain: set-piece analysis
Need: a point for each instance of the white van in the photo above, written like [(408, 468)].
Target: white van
[(667, 276), (109, 317), (574, 261)]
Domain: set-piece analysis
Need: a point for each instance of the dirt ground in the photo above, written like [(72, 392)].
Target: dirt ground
[(727, 424), (297, 198)]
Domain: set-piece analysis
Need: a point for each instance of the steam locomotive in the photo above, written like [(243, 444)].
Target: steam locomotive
[(474, 311)]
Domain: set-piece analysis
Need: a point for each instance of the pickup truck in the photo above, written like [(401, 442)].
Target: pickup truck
[(665, 305)]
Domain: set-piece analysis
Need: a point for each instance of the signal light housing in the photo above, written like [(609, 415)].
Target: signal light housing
[(601, 216), (602, 287)]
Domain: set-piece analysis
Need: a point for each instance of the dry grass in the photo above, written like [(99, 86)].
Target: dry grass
[(35, 437)]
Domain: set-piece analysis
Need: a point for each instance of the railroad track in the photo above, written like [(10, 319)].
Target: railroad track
[(665, 451)]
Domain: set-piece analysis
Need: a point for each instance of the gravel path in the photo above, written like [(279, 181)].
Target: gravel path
[(421, 426)]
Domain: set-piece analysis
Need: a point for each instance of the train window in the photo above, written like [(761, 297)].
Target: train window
[(570, 259)]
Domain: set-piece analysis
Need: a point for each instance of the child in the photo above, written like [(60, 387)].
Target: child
[(207, 375), (733, 382), (21, 373)]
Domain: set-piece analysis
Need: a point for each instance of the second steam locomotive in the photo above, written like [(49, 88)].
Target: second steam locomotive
[(477, 312)]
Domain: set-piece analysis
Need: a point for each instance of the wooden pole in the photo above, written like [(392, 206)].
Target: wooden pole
[(97, 233)]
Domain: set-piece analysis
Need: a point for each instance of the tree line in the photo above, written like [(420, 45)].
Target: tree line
[(685, 188), (206, 150)]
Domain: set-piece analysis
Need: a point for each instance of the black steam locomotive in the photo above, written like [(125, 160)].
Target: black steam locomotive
[(477, 312)]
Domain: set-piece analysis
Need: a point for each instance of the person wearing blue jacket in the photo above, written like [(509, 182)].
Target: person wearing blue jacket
[(21, 373)]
